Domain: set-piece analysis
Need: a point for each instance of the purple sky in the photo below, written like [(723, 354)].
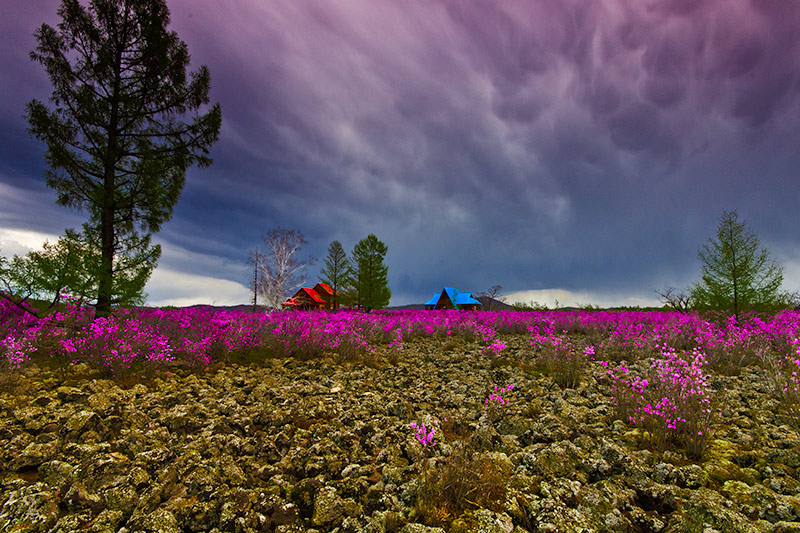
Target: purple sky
[(581, 146)]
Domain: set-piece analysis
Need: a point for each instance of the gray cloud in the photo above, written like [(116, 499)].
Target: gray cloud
[(546, 144)]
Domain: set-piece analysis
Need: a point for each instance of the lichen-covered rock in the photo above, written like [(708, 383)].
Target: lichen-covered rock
[(81, 423), (30, 508), (489, 522), (707, 508), (420, 528), (328, 507), (78, 497), (33, 455), (56, 473), (161, 521), (71, 395), (318, 446), (108, 520), (692, 477)]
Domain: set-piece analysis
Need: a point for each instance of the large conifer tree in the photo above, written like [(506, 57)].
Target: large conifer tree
[(117, 145), (370, 278), (738, 273)]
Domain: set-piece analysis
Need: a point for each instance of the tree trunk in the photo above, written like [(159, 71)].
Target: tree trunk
[(105, 285)]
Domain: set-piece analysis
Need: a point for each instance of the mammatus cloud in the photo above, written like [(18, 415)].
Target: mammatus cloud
[(588, 146)]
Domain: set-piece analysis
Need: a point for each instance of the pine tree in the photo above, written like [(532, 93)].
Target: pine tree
[(116, 145), (738, 273), (336, 271), (370, 278)]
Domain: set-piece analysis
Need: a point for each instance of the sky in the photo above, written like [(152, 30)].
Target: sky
[(565, 149)]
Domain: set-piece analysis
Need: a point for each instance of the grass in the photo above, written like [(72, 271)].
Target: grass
[(465, 480)]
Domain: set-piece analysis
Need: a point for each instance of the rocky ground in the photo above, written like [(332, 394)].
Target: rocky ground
[(321, 445)]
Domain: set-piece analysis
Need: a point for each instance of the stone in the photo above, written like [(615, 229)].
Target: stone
[(489, 522), (161, 521), (328, 507), (83, 422), (420, 528), (692, 477), (79, 497), (71, 395), (107, 521), (29, 506), (33, 455), (665, 473), (233, 448), (56, 473)]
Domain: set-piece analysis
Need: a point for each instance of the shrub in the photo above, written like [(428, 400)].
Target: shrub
[(559, 358), (783, 373), (671, 403), (466, 479)]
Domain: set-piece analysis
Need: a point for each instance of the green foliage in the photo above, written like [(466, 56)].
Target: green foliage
[(336, 271), (738, 274), (370, 274), (530, 306), (116, 147), (47, 273), (72, 265)]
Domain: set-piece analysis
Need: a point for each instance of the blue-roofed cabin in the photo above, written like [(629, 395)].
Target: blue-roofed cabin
[(450, 298)]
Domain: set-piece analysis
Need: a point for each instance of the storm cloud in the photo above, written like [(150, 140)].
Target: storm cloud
[(575, 145)]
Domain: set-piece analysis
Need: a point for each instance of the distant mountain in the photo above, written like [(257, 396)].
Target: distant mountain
[(490, 304), (409, 307), (242, 308)]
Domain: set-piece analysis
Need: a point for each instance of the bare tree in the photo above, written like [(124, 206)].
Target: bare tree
[(281, 270), (492, 295), (678, 299)]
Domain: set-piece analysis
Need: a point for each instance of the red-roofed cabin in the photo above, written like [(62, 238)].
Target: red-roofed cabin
[(307, 299)]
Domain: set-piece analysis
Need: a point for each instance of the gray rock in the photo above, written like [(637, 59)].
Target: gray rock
[(665, 473), (33, 507)]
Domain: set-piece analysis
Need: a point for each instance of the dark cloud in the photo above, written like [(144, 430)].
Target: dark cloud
[(580, 145)]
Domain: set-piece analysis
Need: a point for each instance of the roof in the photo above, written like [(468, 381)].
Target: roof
[(324, 286), (311, 294), (458, 298)]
